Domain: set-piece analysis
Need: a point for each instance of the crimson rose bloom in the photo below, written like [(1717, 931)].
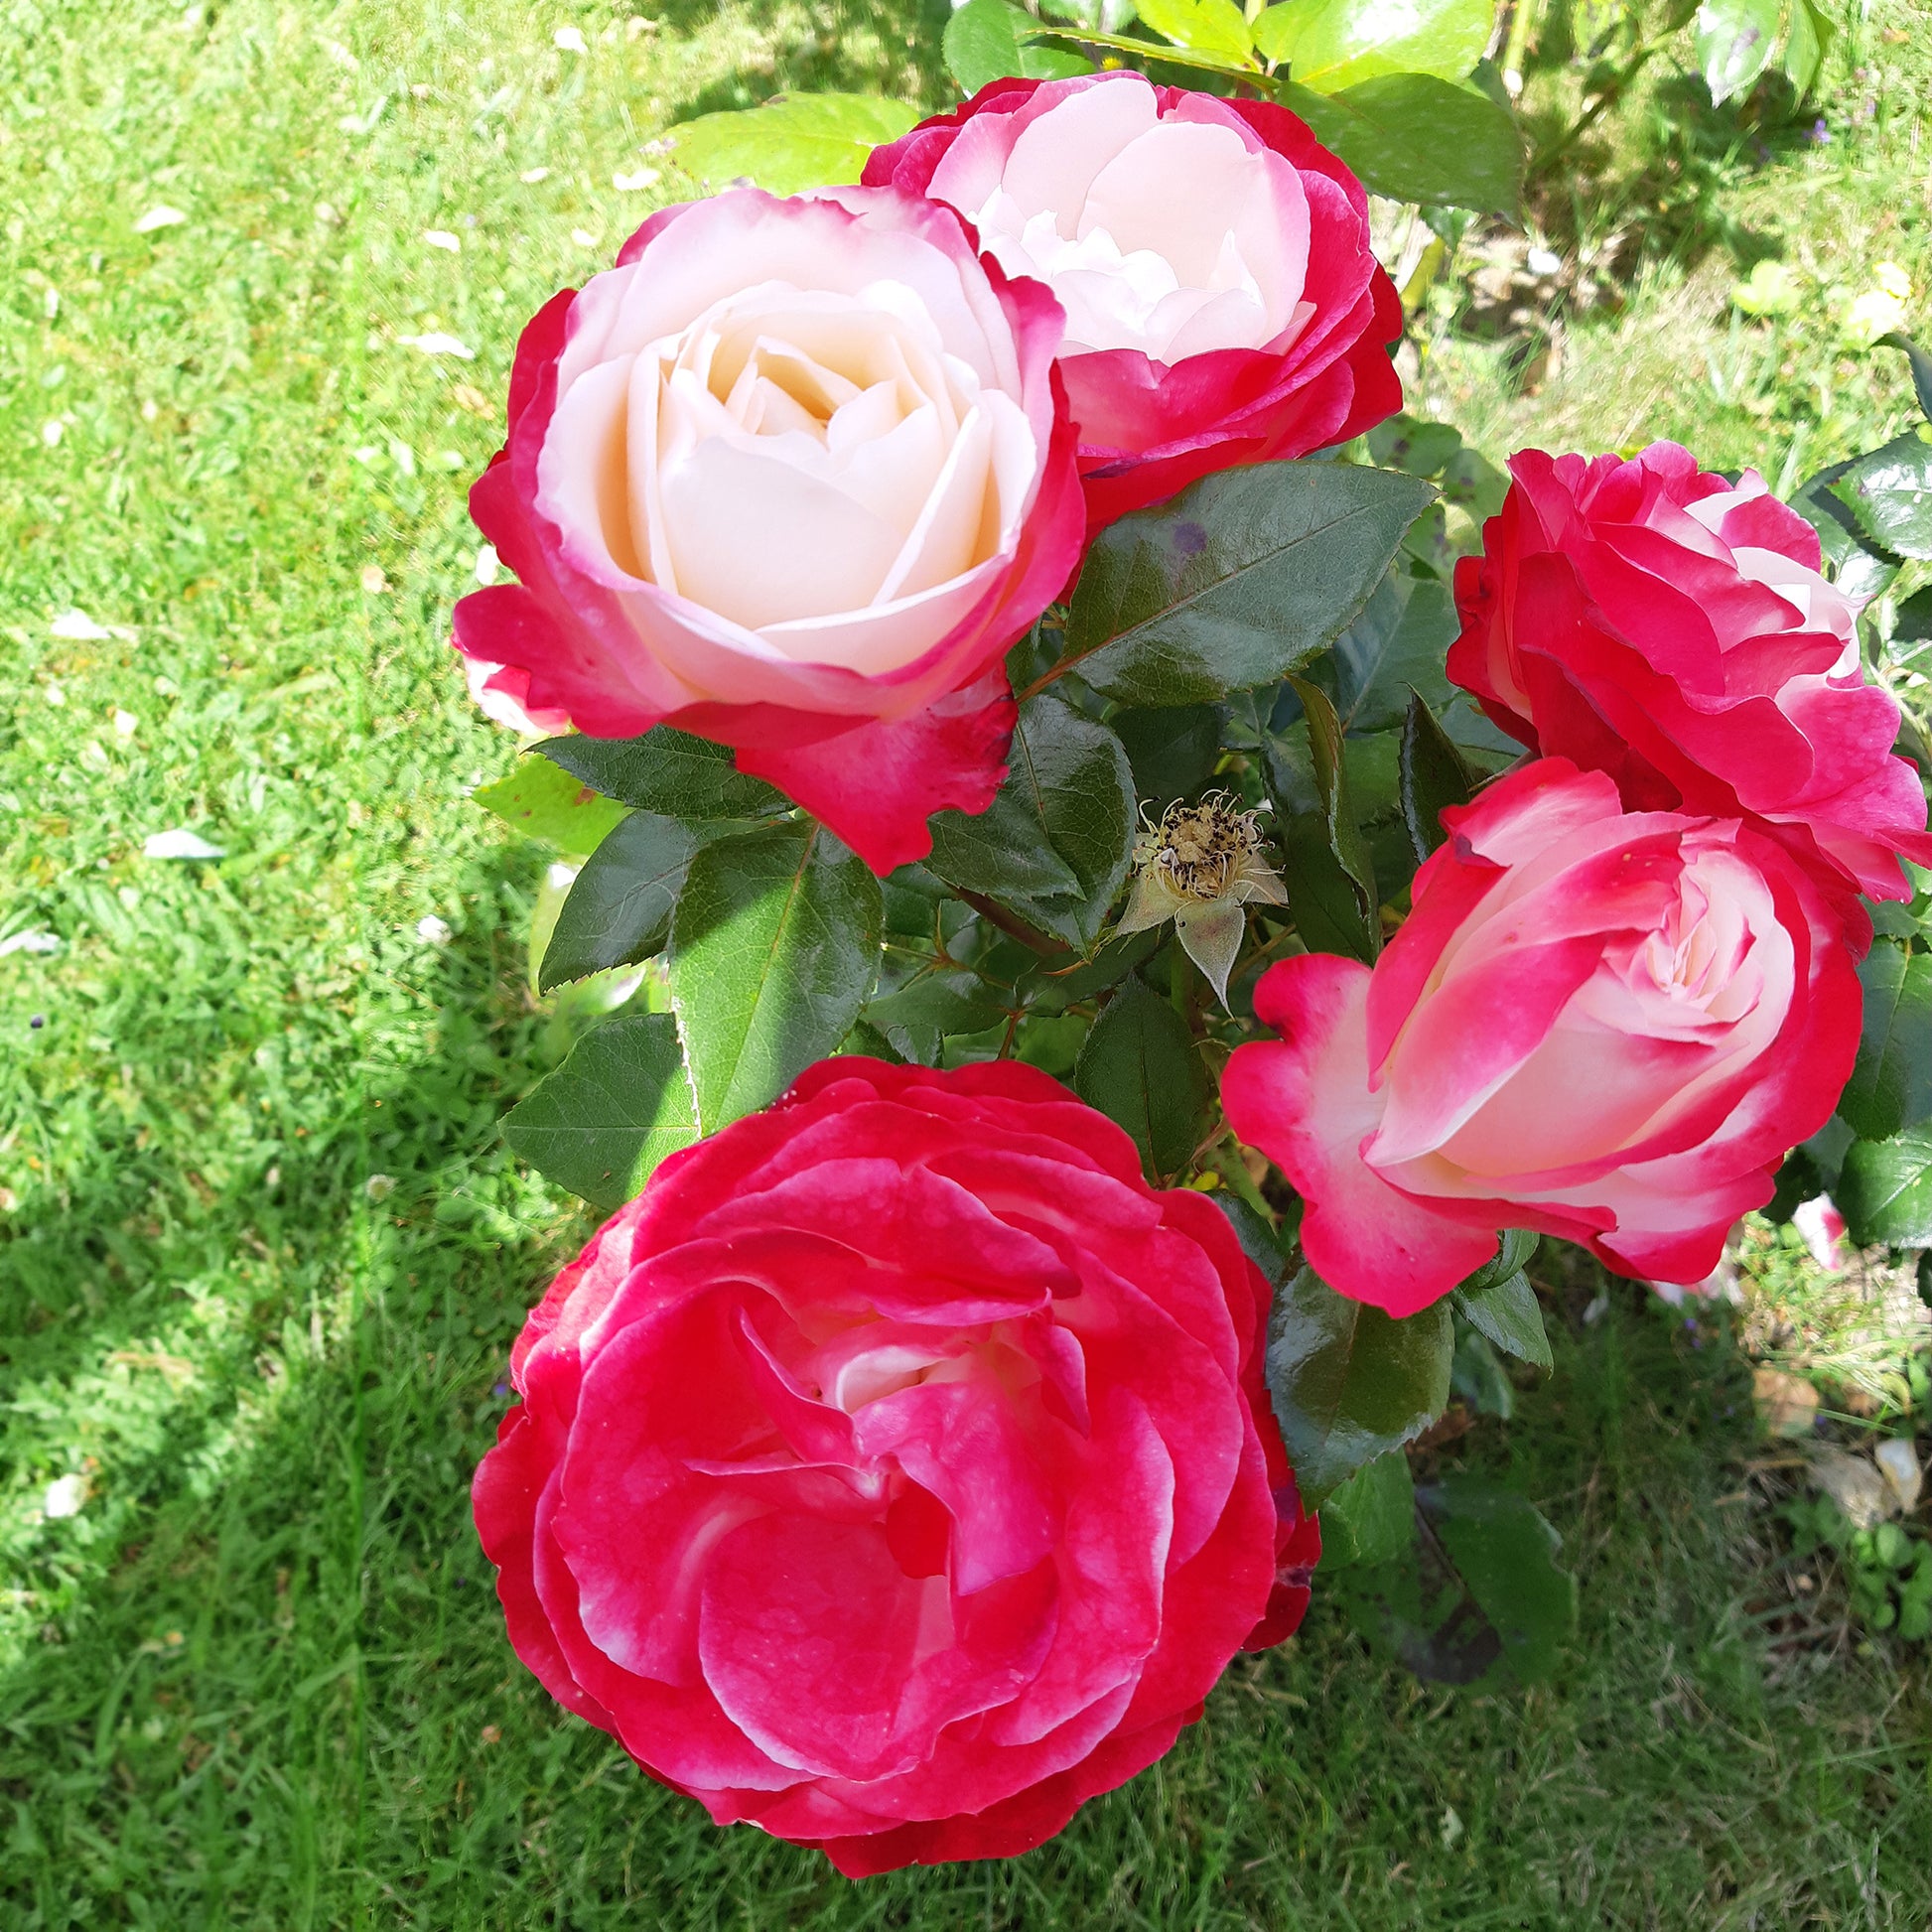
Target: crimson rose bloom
[(793, 476), (895, 1472), (1609, 1025), (1672, 628), (1223, 305)]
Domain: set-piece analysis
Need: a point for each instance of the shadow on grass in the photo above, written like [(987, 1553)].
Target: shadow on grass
[(291, 1705), (886, 47)]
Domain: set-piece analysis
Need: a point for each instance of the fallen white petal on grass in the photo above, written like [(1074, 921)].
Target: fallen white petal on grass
[(1897, 1463), (583, 238), (375, 580), (51, 431), (180, 844), (161, 215), (126, 724), (531, 175), (34, 942), (438, 343), (65, 1498), (444, 239), (632, 183), (1543, 261), (431, 930), (570, 40), (77, 625), (487, 564)]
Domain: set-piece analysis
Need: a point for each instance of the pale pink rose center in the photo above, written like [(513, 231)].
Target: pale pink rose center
[(1171, 236), (819, 468)]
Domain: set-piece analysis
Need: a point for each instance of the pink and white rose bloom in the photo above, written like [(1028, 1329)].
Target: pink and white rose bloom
[(1661, 623), (793, 475), (1607, 1026), (1223, 304)]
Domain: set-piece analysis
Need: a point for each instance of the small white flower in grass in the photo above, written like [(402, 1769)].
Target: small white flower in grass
[(161, 215), (374, 582), (444, 239), (488, 564), (433, 932), (65, 1498), (569, 39), (51, 304), (583, 238), (30, 942), (51, 431), (78, 625), (531, 175), (379, 1186), (436, 342), (54, 695), (126, 724), (632, 183), (1201, 866), (180, 844)]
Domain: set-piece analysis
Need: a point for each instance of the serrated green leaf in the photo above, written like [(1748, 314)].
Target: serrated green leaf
[(665, 770), (543, 802), (1326, 867), (1884, 1190), (1173, 751), (1477, 1376), (1736, 40), (987, 39), (1141, 1067), (1349, 1383), (1806, 39), (1055, 844), (790, 144), (1505, 1554), (1328, 45), (1371, 1518), (775, 947), (1393, 649), (1507, 1313), (1857, 567), (1890, 492), (1433, 776), (1921, 366), (620, 909), (611, 1113), (1416, 138), (918, 1015), (1214, 29), (1891, 1087), (1234, 581)]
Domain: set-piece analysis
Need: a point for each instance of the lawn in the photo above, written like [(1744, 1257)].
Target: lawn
[(262, 1253)]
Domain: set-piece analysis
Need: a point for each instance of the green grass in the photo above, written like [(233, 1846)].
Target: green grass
[(259, 1680)]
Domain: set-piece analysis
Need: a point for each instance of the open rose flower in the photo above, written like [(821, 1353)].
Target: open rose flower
[(894, 1474), (1609, 1026), (1222, 302), (1659, 623), (793, 475)]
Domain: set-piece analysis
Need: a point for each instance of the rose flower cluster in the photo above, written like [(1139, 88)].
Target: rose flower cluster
[(1627, 987), (895, 1472)]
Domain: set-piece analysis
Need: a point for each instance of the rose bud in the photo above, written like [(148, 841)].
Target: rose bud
[(895, 1472), (1608, 1026), (1658, 623), (793, 476), (1223, 305)]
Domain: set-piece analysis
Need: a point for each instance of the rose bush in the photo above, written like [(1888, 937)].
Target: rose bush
[(1223, 305), (1603, 1025), (1655, 622), (895, 1472), (793, 476)]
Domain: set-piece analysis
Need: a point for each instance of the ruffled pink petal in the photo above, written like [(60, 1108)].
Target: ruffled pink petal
[(1304, 1101)]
